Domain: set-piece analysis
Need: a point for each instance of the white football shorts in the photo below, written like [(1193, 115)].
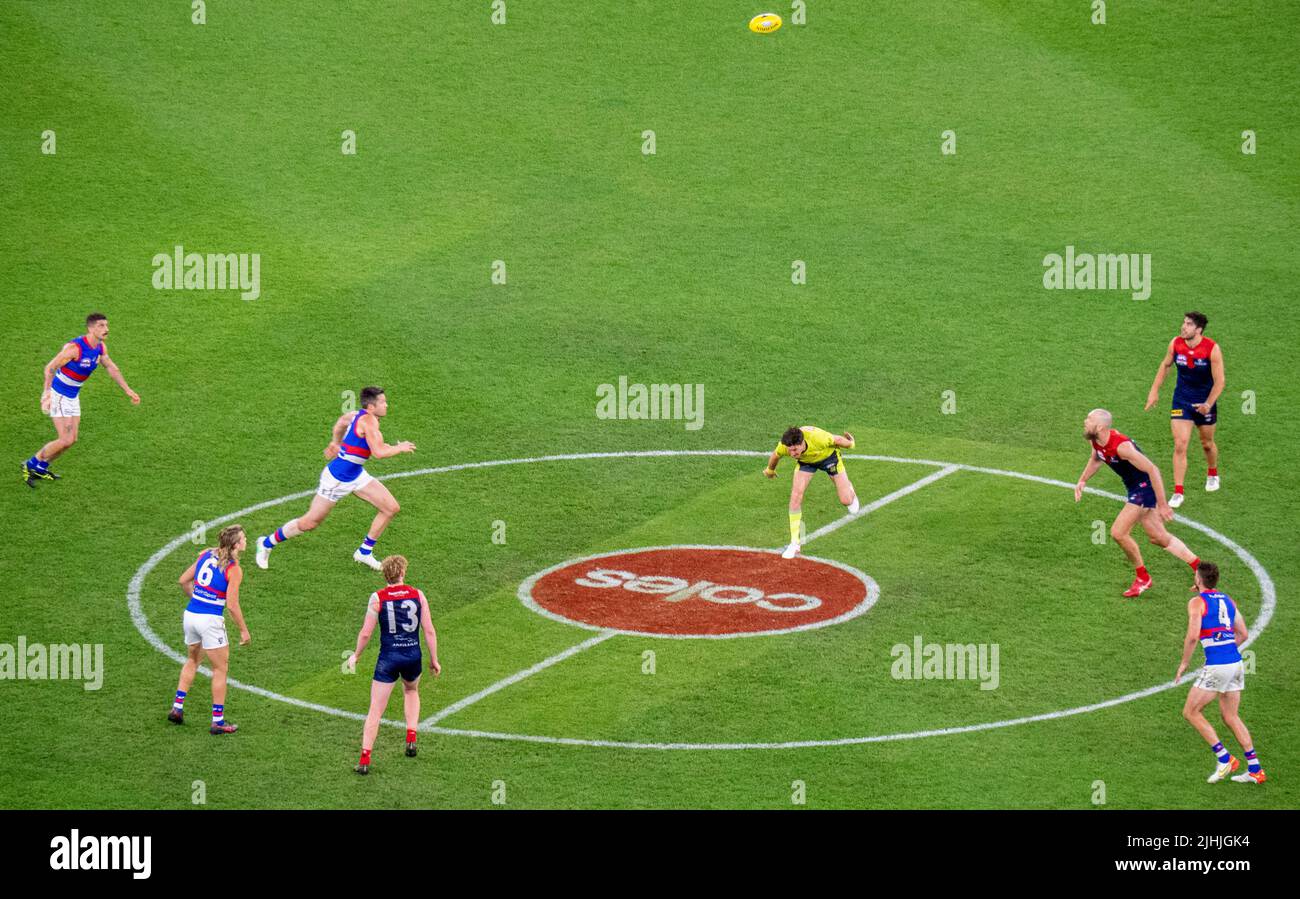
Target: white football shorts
[(210, 630), (64, 406), (1230, 678), (332, 489)]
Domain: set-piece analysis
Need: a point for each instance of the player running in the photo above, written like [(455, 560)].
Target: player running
[(399, 610), (65, 375), (212, 584), (1146, 500), (815, 450), (1212, 620), (355, 439), (1196, 394)]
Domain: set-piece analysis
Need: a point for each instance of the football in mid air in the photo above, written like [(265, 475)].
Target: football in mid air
[(765, 23)]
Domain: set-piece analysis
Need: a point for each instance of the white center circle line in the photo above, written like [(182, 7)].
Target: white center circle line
[(1268, 601)]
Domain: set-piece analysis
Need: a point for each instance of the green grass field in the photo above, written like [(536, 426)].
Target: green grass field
[(523, 143)]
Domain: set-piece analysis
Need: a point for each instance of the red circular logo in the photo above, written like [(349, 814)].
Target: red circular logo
[(699, 591)]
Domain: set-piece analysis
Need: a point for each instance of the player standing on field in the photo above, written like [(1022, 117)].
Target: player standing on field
[(212, 584), (65, 375), (1196, 394), (815, 450), (1146, 501), (398, 611), (355, 439), (1212, 621)]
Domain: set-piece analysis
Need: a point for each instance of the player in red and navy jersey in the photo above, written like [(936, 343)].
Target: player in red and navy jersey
[(212, 585), (65, 375), (1199, 361), (1213, 621), (399, 611), (1145, 501), (355, 439)]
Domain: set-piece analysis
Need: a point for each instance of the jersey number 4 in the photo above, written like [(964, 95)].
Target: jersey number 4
[(1223, 614), (409, 610)]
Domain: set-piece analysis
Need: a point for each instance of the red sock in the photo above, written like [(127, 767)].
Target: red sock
[(1195, 563), (1178, 488), (410, 736), (1142, 573), (365, 757), (1214, 472)]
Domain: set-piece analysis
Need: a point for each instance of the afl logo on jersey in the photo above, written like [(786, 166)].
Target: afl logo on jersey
[(1181, 360)]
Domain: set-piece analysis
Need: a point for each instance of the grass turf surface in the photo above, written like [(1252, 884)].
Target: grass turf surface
[(522, 142)]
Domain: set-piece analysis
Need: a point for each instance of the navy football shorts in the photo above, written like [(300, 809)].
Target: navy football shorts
[(391, 666), (832, 464), (1143, 495), (1187, 412)]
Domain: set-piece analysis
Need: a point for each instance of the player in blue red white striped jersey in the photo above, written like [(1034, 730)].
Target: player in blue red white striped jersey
[(212, 585), (65, 375), (1145, 501), (1213, 621), (356, 439), (398, 610)]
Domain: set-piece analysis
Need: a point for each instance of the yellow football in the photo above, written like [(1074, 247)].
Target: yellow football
[(765, 23)]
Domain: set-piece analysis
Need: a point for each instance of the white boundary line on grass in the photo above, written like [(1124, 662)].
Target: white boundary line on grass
[(1268, 601), (515, 678)]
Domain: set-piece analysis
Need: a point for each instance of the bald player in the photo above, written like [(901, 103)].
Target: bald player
[(1146, 495)]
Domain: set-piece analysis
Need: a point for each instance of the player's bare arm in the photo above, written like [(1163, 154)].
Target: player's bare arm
[(1089, 470), (1153, 396), (116, 374), (1193, 634), (1143, 464), (369, 429), (1239, 629), (772, 461), (1216, 368), (62, 358), (430, 635), (235, 577), (186, 580), (363, 637), (845, 442), (336, 435)]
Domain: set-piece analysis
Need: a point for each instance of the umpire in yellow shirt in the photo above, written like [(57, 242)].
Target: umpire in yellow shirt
[(815, 450)]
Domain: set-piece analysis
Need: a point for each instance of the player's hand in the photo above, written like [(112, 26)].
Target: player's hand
[(1165, 511), (406, 446), (1078, 491), (135, 397), (1179, 675), (1152, 399), (769, 472), (849, 437), (332, 450), (244, 637), (435, 667), (45, 403), (1203, 408)]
